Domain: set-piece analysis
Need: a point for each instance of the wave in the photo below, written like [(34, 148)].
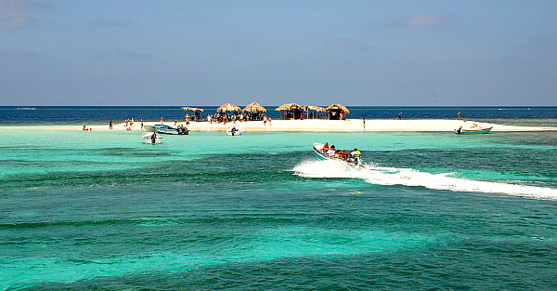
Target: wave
[(387, 176)]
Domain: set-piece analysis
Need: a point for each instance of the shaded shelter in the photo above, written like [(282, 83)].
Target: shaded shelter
[(254, 111), (315, 112), (291, 111), (196, 113), (228, 107), (337, 112)]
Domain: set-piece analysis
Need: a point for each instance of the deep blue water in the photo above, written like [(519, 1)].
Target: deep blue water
[(150, 113)]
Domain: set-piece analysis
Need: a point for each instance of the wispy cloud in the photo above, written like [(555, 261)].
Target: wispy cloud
[(421, 20), (15, 13)]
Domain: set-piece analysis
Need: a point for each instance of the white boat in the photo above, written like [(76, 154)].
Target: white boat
[(152, 137), (233, 130), (474, 129), (166, 129), (342, 156)]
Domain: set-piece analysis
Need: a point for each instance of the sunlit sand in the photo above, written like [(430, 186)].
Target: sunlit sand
[(312, 125)]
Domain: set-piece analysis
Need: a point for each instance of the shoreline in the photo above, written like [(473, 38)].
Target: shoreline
[(308, 125)]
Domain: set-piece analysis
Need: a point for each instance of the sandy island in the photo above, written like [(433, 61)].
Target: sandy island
[(315, 125)]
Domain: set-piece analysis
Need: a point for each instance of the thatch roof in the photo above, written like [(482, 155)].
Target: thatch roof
[(254, 107), (316, 108), (228, 107), (288, 106), (192, 109), (338, 106)]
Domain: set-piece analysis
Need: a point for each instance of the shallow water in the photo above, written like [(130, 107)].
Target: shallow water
[(102, 210)]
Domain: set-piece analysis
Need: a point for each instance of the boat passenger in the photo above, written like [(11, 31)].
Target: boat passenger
[(356, 155), (332, 150), (343, 154), (325, 147)]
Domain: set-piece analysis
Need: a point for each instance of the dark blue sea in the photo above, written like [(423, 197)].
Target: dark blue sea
[(150, 113), (101, 210)]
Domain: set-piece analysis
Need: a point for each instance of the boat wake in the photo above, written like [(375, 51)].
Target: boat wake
[(412, 178)]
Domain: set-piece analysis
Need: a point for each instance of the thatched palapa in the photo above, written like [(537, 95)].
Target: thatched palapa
[(228, 107), (316, 108), (313, 112), (338, 107), (254, 107), (290, 111), (288, 106), (337, 111)]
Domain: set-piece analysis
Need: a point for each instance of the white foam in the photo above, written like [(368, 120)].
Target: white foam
[(412, 178)]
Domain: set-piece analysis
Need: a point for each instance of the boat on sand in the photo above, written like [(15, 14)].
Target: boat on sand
[(474, 129), (166, 129)]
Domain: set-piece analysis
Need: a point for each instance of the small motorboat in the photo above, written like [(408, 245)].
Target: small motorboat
[(233, 130), (166, 129), (322, 154), (474, 129), (152, 137)]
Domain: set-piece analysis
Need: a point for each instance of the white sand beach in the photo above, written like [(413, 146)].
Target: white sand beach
[(315, 125)]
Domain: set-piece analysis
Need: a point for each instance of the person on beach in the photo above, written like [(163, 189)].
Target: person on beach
[(458, 115), (110, 125), (399, 116), (141, 123), (162, 119)]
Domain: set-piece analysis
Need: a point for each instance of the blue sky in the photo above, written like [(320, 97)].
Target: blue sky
[(186, 53)]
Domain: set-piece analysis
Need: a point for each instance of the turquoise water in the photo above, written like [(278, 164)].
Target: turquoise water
[(102, 210)]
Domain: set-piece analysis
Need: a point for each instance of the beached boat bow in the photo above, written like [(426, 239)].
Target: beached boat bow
[(474, 129)]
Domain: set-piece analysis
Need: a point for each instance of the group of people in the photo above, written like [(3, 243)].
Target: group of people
[(352, 157), (233, 117)]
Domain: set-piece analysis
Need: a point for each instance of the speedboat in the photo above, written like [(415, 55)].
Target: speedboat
[(233, 130), (340, 156), (474, 129), (166, 129), (152, 137)]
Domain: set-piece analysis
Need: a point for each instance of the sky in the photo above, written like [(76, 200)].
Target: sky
[(314, 52)]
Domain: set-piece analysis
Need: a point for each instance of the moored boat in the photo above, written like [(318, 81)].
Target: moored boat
[(474, 129), (151, 137), (322, 153), (166, 129), (233, 130)]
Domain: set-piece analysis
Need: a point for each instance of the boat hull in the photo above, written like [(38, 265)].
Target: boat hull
[(165, 129), (473, 131), (321, 156), (233, 130), (151, 137)]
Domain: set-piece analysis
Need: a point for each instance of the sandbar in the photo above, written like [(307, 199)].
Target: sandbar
[(309, 125)]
